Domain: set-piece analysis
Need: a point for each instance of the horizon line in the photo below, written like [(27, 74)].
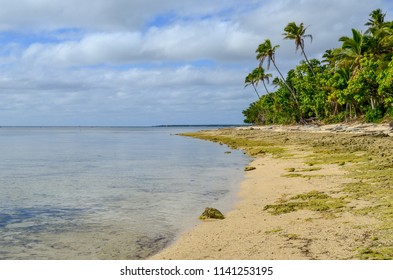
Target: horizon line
[(160, 125)]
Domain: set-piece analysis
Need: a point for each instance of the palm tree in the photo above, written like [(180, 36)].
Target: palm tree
[(330, 57), (376, 22), (267, 51), (253, 80), (334, 58), (353, 49), (387, 41), (377, 31), (381, 34), (258, 74), (277, 82), (297, 33)]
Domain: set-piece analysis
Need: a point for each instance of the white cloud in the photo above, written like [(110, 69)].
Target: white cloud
[(208, 39), (103, 14), (52, 14), (103, 93), (94, 48), (149, 62)]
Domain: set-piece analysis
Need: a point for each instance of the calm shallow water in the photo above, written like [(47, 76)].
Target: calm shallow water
[(107, 193)]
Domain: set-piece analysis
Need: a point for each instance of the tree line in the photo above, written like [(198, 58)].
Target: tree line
[(352, 82)]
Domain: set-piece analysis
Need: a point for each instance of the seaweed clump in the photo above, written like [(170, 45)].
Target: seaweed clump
[(211, 213)]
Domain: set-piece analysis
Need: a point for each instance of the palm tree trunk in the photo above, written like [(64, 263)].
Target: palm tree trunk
[(308, 62), (264, 84), (291, 90), (255, 88), (285, 83)]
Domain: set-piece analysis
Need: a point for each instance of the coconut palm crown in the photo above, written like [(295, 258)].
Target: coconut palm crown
[(297, 33)]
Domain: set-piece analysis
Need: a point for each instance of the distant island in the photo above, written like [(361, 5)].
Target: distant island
[(199, 125)]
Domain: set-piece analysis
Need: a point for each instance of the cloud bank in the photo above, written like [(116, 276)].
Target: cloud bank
[(150, 62)]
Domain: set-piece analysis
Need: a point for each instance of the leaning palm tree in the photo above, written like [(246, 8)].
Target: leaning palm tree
[(258, 74), (297, 33), (267, 51), (252, 80)]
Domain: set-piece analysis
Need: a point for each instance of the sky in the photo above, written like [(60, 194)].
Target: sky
[(152, 62)]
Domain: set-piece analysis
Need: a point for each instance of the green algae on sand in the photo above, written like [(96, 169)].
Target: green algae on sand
[(366, 159)]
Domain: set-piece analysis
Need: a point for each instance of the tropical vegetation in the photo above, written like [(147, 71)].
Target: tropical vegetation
[(351, 82)]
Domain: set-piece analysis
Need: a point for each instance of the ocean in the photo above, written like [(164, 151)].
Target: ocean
[(107, 192)]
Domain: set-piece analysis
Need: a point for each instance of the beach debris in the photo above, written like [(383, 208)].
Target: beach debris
[(211, 213), (249, 168)]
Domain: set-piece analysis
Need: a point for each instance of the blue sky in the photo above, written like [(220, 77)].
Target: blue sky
[(145, 62)]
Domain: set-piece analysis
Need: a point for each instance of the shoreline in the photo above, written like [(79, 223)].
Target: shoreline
[(290, 207)]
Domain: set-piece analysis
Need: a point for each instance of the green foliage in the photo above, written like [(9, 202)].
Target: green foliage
[(374, 115), (385, 81), (335, 118), (252, 113), (353, 81), (389, 112), (311, 97)]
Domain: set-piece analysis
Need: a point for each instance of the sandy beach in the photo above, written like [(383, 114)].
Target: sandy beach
[(310, 196)]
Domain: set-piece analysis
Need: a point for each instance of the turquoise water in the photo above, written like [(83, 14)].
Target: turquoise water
[(107, 193)]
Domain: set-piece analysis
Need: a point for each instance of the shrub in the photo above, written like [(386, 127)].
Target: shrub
[(374, 115)]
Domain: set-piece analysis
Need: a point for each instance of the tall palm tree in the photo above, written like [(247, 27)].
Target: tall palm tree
[(387, 41), (377, 31), (297, 33), (267, 51), (381, 34), (376, 21)]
